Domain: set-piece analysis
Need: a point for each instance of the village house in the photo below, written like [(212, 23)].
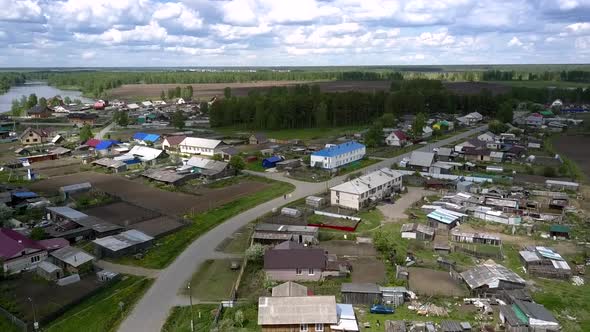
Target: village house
[(477, 154), (275, 234), (34, 136), (72, 260), (359, 192), (258, 138), (18, 252), (39, 112), (427, 132), (524, 316), (142, 154), (75, 226), (82, 119), (534, 120), (200, 146), (292, 261), (421, 161), (417, 231), (297, 313), (479, 238), (146, 139), (545, 262), (396, 138), (488, 136), (172, 143), (207, 168), (126, 243), (338, 155), (491, 278), (444, 219)]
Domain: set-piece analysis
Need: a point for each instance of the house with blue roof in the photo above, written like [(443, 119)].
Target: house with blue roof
[(145, 138), (271, 162), (106, 145), (338, 155)]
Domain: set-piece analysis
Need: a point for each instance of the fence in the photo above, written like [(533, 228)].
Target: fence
[(478, 254), (14, 320)]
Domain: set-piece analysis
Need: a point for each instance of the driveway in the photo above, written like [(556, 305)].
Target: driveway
[(151, 312), (396, 211)]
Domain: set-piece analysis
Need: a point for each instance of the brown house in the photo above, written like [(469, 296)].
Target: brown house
[(39, 112), (291, 261), (297, 313), (34, 136), (81, 119)]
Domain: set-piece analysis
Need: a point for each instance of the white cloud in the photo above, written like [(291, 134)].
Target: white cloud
[(144, 33), (579, 28), (439, 38), (180, 15), (21, 10), (88, 55), (515, 42)]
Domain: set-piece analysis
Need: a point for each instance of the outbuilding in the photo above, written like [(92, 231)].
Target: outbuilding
[(361, 293), (125, 243), (271, 162)]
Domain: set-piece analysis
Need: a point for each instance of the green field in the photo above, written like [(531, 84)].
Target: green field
[(565, 299), (369, 220), (180, 317), (7, 326), (167, 248), (101, 312), (213, 281)]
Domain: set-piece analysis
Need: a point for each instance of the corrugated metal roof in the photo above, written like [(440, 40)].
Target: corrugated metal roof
[(349, 287), (76, 187), (443, 217), (72, 256), (200, 142), (24, 194), (339, 149), (67, 212), (297, 310), (490, 275), (367, 182), (421, 158), (123, 240)]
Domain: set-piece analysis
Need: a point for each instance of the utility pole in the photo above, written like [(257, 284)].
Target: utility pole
[(35, 323), (190, 299)]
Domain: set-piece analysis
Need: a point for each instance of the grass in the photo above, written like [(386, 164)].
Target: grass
[(179, 319), (250, 314), (213, 280), (168, 247), (255, 166), (301, 133), (564, 299), (7, 326), (369, 220), (357, 165), (390, 152), (238, 242), (101, 312)]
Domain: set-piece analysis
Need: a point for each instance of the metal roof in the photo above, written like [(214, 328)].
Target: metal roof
[(349, 287), (123, 240), (67, 212), (444, 217), (72, 256), (289, 256), (76, 187), (289, 288), (490, 275), (529, 256), (24, 194), (144, 153), (450, 326), (208, 164), (511, 317), (368, 182), (103, 145), (535, 311), (339, 149), (297, 310), (421, 158), (48, 267), (146, 137), (201, 142)]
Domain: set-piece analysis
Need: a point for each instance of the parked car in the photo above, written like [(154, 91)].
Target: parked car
[(44, 223), (381, 309)]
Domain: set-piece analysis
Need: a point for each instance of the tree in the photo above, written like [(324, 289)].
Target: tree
[(255, 253), (121, 118), (239, 318), (217, 157), (418, 125), (67, 100), (43, 102), (85, 133), (374, 137), (321, 115), (237, 163), (178, 119), (227, 92), (163, 95), (16, 108), (505, 112), (497, 127), (32, 101), (77, 101), (204, 107), (388, 120), (38, 233), (549, 172)]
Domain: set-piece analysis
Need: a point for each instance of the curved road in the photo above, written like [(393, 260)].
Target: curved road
[(151, 312)]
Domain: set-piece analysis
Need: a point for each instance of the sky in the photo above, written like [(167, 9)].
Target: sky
[(122, 33)]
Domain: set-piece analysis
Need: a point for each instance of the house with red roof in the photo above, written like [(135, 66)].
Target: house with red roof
[(93, 142), (397, 138), (171, 143), (18, 252)]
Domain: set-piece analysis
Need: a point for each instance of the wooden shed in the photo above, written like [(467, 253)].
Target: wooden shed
[(361, 293)]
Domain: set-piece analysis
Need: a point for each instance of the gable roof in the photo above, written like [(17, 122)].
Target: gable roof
[(40, 132), (297, 310), (103, 145), (146, 137), (72, 256), (289, 288), (490, 275), (421, 158), (93, 142), (293, 255), (201, 142), (339, 149), (174, 140), (367, 182), (144, 153), (535, 311), (12, 243), (207, 164), (53, 244)]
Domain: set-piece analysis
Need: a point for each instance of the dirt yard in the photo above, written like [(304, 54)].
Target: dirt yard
[(432, 282), (158, 226), (164, 202), (396, 211), (366, 266), (121, 213)]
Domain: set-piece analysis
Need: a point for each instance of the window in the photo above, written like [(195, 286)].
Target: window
[(319, 327), (35, 259), (28, 140), (311, 272), (298, 272), (303, 328)]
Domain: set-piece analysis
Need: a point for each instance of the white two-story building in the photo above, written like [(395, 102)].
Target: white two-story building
[(338, 155), (358, 193)]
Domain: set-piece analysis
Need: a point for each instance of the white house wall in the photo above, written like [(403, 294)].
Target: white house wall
[(346, 200)]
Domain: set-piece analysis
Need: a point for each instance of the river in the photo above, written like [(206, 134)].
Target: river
[(41, 89)]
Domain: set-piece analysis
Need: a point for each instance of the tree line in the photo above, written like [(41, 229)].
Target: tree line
[(304, 106), (511, 75), (185, 93), (19, 106)]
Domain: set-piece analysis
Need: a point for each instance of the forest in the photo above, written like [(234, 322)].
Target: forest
[(304, 106)]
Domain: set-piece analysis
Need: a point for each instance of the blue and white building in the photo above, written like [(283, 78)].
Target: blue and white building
[(338, 155)]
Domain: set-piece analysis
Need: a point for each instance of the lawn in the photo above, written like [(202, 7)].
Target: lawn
[(238, 242), (101, 312), (369, 220), (180, 317), (168, 247), (213, 280), (390, 152), (564, 299), (357, 165), (7, 326), (302, 133), (255, 166)]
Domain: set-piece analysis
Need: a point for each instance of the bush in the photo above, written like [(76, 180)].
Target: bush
[(255, 253), (549, 171)]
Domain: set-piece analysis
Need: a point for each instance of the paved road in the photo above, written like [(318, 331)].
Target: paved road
[(104, 130), (151, 311)]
